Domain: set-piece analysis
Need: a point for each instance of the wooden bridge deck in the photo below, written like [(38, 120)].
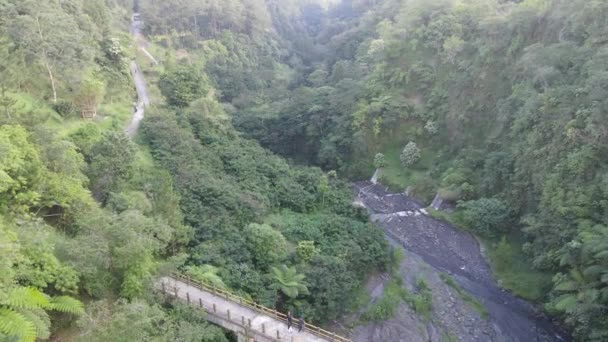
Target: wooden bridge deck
[(251, 322)]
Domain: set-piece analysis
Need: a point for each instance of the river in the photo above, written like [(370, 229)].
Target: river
[(433, 247)]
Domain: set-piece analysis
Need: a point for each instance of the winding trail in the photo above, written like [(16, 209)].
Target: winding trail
[(143, 99), (447, 249)]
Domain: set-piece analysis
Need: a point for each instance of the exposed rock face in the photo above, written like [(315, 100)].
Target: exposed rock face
[(433, 247)]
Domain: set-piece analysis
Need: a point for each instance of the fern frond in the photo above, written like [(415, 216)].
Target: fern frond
[(26, 298), (16, 324), (40, 319), (67, 304)]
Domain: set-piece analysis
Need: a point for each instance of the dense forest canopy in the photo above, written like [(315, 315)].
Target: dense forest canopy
[(504, 102), (264, 110)]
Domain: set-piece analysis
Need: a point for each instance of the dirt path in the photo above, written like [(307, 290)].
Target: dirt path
[(433, 247)]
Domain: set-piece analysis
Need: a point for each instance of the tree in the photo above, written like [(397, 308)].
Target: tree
[(51, 36), (182, 84), (431, 127), (410, 154), (267, 245), (380, 161), (306, 250), (111, 162), (486, 216), (290, 283), (11, 62), (90, 93)]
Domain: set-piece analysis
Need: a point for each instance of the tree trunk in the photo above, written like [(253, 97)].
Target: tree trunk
[(46, 61), (48, 69)]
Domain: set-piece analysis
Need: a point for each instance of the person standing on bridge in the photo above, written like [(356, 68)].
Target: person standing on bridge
[(289, 320), (300, 324)]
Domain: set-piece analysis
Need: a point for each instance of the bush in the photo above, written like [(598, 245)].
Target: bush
[(410, 154), (385, 307), (64, 108)]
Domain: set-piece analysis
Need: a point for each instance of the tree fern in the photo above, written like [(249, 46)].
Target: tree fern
[(40, 319), (25, 298), (66, 304), (22, 312), (13, 323), (290, 282)]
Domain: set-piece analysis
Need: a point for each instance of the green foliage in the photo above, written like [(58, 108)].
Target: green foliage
[(206, 274), (306, 250), (384, 307), (485, 216), (64, 108), (90, 92), (289, 282), (128, 321), (509, 110), (227, 184), (110, 163), (22, 312), (431, 127), (267, 246), (410, 154), (514, 272), (380, 160), (182, 84), (422, 301)]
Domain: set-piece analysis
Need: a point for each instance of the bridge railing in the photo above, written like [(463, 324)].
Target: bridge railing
[(315, 330)]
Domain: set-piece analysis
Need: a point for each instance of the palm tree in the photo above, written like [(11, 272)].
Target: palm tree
[(23, 315), (290, 283)]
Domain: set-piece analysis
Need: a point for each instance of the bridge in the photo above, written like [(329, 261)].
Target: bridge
[(247, 319)]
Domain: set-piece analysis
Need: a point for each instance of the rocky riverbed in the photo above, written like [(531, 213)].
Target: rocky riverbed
[(436, 251)]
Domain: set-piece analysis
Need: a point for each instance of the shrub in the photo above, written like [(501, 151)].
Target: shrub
[(64, 108)]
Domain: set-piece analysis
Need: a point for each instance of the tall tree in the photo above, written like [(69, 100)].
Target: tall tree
[(51, 37)]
